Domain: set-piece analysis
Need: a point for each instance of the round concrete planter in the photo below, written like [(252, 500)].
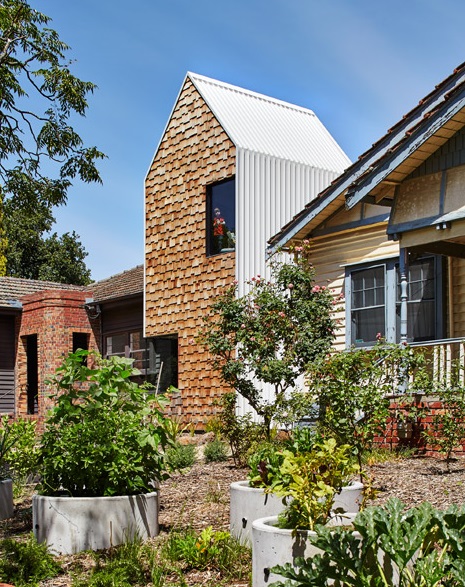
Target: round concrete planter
[(251, 503), (72, 524), (6, 499), (349, 498), (276, 546)]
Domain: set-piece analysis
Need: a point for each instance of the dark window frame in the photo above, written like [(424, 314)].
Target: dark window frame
[(228, 223)]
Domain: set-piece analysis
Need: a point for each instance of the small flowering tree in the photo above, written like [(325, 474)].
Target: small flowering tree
[(272, 334)]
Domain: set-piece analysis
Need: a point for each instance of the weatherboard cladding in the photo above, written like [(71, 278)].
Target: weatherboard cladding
[(381, 151)]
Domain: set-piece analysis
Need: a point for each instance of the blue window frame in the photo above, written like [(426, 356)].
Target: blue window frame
[(373, 301)]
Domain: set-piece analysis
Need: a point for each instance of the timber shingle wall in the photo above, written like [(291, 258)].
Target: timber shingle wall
[(181, 280)]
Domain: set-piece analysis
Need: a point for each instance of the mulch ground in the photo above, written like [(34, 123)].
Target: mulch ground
[(200, 497)]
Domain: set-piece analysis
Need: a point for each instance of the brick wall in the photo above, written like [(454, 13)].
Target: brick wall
[(181, 280), (410, 434), (53, 316)]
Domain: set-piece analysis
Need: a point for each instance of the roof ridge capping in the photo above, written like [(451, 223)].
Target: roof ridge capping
[(240, 90)]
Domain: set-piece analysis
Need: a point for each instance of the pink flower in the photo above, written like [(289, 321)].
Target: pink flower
[(291, 286), (379, 336), (282, 314), (191, 341), (242, 325), (316, 289)]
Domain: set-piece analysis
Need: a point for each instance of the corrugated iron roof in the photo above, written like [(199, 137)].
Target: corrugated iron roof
[(272, 127), (12, 289)]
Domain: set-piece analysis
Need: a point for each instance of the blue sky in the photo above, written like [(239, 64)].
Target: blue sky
[(358, 64)]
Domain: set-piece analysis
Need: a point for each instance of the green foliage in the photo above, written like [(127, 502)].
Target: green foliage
[(41, 154), (18, 448), (241, 433), (447, 429), (420, 547), (215, 451), (351, 387), (106, 434), (265, 464), (207, 550), (272, 334), (311, 481), (180, 456), (23, 454), (26, 563), (123, 566)]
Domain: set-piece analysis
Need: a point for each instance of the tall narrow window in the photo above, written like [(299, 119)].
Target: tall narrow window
[(221, 217), (421, 312), (163, 361), (368, 315), (32, 374)]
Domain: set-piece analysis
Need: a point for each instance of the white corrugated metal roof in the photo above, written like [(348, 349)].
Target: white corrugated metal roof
[(272, 127)]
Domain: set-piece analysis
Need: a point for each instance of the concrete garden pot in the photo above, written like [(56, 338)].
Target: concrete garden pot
[(72, 524), (273, 546), (251, 503), (6, 499)]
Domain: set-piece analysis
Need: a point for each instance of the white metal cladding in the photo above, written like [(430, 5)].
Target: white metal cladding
[(284, 158), (259, 123), (269, 192)]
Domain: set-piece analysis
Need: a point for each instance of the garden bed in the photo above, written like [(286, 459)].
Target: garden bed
[(200, 498)]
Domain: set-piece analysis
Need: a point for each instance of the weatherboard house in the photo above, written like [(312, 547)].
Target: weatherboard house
[(231, 168), (389, 233)]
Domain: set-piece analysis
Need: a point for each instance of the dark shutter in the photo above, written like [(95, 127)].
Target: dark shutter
[(7, 364)]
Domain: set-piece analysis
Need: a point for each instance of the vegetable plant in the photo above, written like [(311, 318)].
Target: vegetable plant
[(391, 546), (106, 435)]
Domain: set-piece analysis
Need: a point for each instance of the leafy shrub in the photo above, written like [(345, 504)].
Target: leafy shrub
[(18, 448), (240, 432), (23, 455), (447, 429), (351, 388), (106, 434), (215, 451), (26, 563), (180, 456), (272, 334), (311, 481)]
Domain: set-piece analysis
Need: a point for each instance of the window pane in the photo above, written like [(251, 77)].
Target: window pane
[(116, 344), (368, 325), (421, 312), (221, 219), (368, 287), (163, 362)]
